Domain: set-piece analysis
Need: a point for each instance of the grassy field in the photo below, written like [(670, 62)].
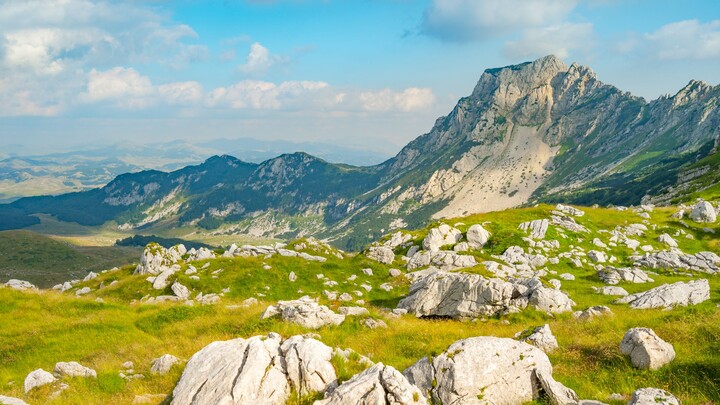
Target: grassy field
[(41, 328)]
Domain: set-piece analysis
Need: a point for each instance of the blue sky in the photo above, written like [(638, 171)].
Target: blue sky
[(366, 73)]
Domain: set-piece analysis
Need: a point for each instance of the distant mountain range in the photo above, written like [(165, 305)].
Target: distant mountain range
[(538, 131), (24, 175)]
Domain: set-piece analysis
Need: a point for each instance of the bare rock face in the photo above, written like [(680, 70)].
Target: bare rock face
[(441, 236), (304, 312), (652, 396), (485, 370), (379, 384), (258, 370), (477, 236), (38, 378), (542, 338), (382, 254), (537, 228), (669, 295), (73, 369), (703, 212), (646, 349)]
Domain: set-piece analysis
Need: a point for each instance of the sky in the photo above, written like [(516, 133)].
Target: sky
[(370, 74)]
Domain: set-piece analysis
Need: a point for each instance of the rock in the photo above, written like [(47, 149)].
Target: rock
[(703, 212), (537, 228), (11, 401), (292, 277), (441, 236), (551, 300), (597, 242), (444, 260), (597, 256), (612, 275), (395, 273), (667, 239), (161, 281), (128, 365), (669, 295), (258, 370), (155, 258), (553, 391), (386, 287), (542, 338), (379, 384), (38, 378), (20, 285), (163, 364), (180, 291), (73, 369), (382, 254), (483, 370), (397, 239), (367, 272), (646, 349), (374, 323), (477, 236), (461, 247), (83, 291), (148, 399), (566, 209), (567, 277), (555, 283), (91, 275), (353, 311), (652, 396), (611, 290), (705, 262), (305, 312), (345, 297), (568, 223), (592, 312)]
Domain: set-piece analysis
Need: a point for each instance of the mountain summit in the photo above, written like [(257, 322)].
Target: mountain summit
[(537, 131)]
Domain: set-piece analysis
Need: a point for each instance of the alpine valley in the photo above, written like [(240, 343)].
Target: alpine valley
[(540, 131)]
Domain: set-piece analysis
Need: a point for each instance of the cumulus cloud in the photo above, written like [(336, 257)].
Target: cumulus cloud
[(261, 95), (260, 60), (689, 39), (466, 20), (124, 86), (559, 40), (410, 99)]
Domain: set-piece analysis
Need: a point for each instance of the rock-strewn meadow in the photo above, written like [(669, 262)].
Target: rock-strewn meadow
[(549, 304)]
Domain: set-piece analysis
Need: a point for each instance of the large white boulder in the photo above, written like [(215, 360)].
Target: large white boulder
[(20, 285), (379, 384), (155, 258), (477, 236), (382, 254), (258, 370), (614, 275), (441, 236), (703, 212), (652, 396), (73, 369), (537, 228), (38, 378), (646, 349), (11, 401), (484, 370), (542, 338), (669, 295)]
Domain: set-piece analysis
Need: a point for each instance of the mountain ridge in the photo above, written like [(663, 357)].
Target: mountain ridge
[(533, 132)]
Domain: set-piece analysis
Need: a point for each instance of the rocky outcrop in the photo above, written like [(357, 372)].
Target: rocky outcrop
[(646, 349), (484, 370), (614, 275), (459, 295), (703, 212), (477, 236), (537, 228), (258, 370), (652, 396), (20, 285), (382, 254), (379, 384), (542, 338), (305, 312), (444, 260), (670, 295), (441, 236), (156, 259), (704, 262), (566, 209), (73, 369)]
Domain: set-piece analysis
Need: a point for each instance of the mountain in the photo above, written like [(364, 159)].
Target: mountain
[(32, 174), (534, 132)]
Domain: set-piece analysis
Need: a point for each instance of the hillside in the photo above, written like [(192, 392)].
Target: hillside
[(45, 261), (580, 252), (539, 131)]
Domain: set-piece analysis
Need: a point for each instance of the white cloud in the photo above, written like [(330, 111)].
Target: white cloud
[(466, 20), (261, 95), (260, 60), (181, 93), (124, 86), (689, 39), (410, 99), (559, 40)]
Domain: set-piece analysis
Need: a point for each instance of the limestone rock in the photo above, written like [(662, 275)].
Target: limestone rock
[(669, 295), (180, 291), (667, 239), (73, 369), (477, 236), (542, 338), (155, 258), (374, 323), (258, 370), (705, 262), (20, 285), (441, 236), (395, 272), (611, 290), (553, 391), (703, 212), (305, 312), (597, 256), (652, 396), (592, 312), (646, 349), (566, 209), (537, 228), (161, 281), (551, 300), (292, 277), (483, 370), (382, 254), (444, 260), (163, 364), (353, 311), (613, 275), (379, 384), (11, 401), (38, 378)]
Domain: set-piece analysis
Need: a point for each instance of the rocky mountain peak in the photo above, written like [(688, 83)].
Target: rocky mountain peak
[(692, 91)]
